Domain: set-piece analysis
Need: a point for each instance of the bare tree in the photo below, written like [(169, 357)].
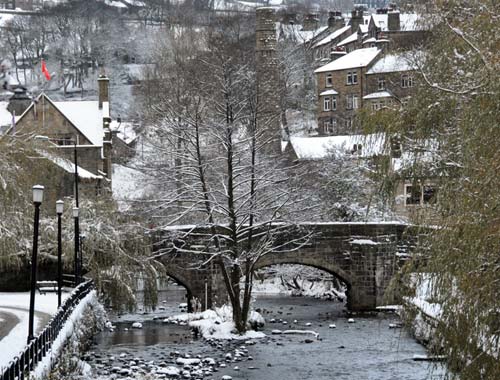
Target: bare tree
[(211, 169)]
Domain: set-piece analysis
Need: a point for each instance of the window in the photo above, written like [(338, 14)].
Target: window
[(413, 194), (381, 83), (406, 81), (352, 102), (349, 102), (352, 77), (329, 126), (420, 195), (357, 149), (428, 194), (334, 103), (329, 80), (327, 104)]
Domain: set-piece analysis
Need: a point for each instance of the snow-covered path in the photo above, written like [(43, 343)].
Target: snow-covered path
[(14, 316)]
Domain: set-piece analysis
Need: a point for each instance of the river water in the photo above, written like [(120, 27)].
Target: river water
[(364, 350)]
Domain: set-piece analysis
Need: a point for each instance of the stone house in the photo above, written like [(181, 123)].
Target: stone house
[(363, 78), (341, 87), (62, 127), (386, 29), (391, 79)]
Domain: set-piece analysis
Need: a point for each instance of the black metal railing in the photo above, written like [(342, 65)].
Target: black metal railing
[(20, 367)]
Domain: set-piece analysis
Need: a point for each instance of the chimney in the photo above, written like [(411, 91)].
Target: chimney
[(267, 75), (335, 20), (310, 22), (356, 18), (103, 82), (290, 18), (19, 102), (393, 20)]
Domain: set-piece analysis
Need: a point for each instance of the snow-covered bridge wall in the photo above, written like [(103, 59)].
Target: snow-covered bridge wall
[(366, 256)]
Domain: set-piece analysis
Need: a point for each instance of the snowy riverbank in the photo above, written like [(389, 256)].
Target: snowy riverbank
[(15, 308)]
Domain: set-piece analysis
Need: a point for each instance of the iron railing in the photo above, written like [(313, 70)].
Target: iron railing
[(20, 367)]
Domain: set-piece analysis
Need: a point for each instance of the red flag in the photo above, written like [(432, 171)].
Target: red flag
[(45, 71)]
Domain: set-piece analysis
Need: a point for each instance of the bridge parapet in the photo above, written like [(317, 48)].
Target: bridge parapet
[(365, 256)]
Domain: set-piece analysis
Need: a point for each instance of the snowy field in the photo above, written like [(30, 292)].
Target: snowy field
[(14, 316)]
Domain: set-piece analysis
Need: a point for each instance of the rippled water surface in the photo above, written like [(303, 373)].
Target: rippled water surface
[(364, 350)]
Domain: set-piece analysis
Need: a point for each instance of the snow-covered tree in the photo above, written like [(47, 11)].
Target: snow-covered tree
[(450, 134)]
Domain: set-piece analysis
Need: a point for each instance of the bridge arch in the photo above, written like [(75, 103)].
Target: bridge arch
[(181, 280), (330, 268)]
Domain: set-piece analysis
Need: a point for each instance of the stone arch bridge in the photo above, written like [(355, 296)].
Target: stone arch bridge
[(365, 256)]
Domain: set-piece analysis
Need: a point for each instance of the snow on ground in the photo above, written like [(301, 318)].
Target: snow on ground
[(218, 324), (316, 289), (128, 184), (18, 305), (67, 332)]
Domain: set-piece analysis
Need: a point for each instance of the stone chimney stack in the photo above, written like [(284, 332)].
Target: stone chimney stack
[(103, 82), (19, 102), (356, 18), (311, 22), (335, 20), (268, 78), (393, 20)]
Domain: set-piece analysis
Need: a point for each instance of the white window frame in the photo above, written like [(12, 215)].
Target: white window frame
[(381, 83), (355, 102), (352, 77), (329, 80), (349, 101), (327, 103), (334, 103), (406, 81)]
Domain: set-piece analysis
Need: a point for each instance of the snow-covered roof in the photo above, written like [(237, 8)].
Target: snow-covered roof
[(352, 38), (315, 148), (5, 18), (363, 28), (392, 63), (125, 131), (69, 167), (355, 59), (83, 115), (379, 94), (86, 117), (333, 36), (407, 21), (329, 92), (295, 33), (368, 40), (5, 116)]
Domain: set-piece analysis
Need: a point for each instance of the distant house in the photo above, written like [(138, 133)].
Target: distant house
[(314, 148), (341, 88), (61, 127), (124, 140), (363, 78)]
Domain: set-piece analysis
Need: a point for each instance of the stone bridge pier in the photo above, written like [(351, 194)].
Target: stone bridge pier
[(365, 256)]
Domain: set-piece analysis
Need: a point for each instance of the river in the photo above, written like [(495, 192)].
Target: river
[(367, 349)]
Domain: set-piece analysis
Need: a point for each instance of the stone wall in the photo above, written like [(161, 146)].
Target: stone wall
[(365, 256)]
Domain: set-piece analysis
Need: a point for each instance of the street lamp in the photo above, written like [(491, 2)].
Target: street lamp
[(37, 201), (59, 211), (77, 243)]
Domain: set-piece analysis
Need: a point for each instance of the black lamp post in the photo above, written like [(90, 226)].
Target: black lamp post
[(77, 244), (37, 201), (59, 211)]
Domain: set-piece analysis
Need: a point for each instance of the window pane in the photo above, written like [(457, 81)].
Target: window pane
[(413, 195)]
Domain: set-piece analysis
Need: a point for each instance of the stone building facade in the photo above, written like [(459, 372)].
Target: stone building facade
[(61, 128)]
